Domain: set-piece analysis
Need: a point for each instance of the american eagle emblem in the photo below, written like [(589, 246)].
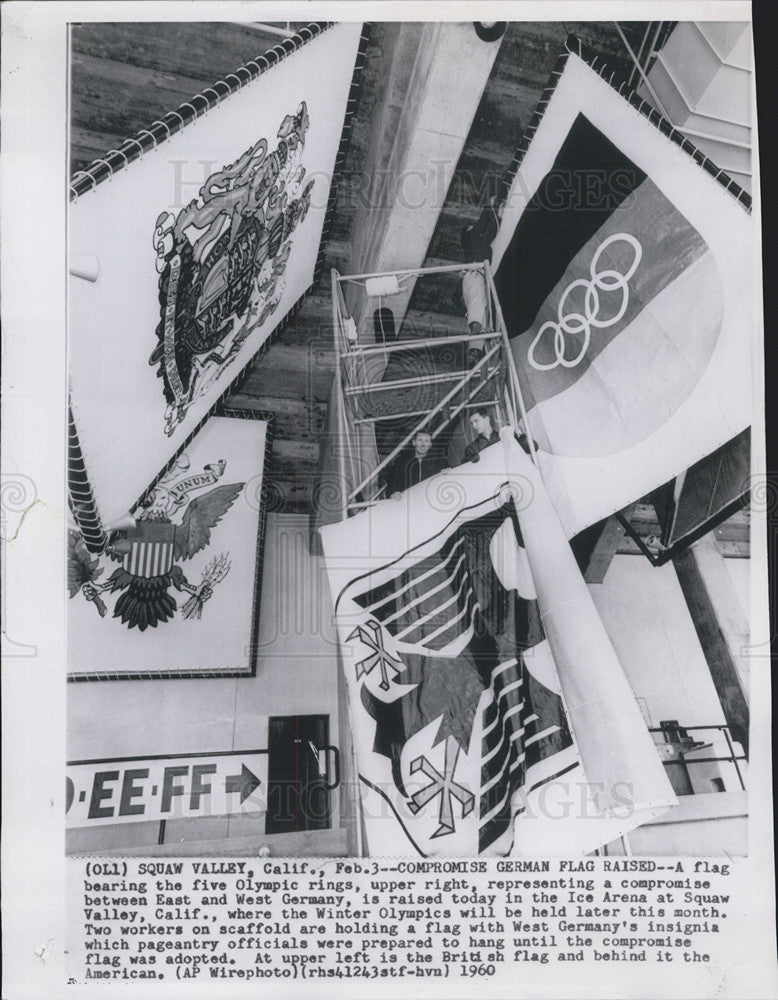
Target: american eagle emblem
[(150, 549)]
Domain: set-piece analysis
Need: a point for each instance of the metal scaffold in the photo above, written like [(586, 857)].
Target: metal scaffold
[(480, 372)]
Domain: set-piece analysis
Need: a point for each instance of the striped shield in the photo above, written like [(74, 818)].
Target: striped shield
[(152, 552), (429, 608)]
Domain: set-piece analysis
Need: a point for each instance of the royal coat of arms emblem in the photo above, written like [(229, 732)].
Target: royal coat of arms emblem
[(221, 263)]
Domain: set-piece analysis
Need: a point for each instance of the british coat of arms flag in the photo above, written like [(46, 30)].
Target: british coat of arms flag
[(185, 260), (623, 269), (490, 714)]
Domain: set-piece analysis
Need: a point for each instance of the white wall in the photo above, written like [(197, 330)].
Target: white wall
[(642, 607), (649, 624), (701, 825), (740, 573)]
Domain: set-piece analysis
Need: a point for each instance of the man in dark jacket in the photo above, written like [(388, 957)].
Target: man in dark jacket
[(486, 434), (481, 422), (415, 464)]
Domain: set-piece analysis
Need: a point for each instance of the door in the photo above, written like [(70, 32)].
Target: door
[(298, 795)]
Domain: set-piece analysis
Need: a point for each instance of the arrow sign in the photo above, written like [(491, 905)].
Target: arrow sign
[(181, 786), (245, 783)]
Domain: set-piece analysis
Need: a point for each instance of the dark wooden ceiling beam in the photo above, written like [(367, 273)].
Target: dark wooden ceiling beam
[(183, 48), (610, 534), (125, 75)]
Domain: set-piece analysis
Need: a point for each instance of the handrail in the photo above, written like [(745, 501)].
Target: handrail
[(640, 52), (463, 405), (641, 71), (418, 413), (732, 757), (422, 423), (419, 343), (439, 269), (407, 383)]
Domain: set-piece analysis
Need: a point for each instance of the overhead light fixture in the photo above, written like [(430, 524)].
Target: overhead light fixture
[(382, 285), (490, 31)]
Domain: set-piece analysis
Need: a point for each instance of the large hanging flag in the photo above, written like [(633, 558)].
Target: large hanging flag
[(623, 271), (185, 258), (466, 742)]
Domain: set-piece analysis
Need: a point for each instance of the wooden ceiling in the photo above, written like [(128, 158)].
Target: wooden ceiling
[(125, 75)]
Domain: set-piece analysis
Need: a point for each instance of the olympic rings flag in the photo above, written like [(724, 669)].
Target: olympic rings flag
[(623, 272), (576, 323)]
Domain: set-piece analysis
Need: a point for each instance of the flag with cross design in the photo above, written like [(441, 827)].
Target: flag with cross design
[(459, 723)]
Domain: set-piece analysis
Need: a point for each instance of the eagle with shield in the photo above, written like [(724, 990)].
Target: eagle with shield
[(149, 549)]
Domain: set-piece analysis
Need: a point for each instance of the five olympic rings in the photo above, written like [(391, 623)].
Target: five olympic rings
[(576, 323)]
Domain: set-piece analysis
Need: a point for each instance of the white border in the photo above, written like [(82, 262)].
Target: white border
[(32, 207)]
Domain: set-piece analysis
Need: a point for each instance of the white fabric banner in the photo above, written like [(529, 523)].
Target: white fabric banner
[(468, 679), (198, 250)]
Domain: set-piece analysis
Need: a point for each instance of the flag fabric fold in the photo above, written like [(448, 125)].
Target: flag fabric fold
[(476, 731)]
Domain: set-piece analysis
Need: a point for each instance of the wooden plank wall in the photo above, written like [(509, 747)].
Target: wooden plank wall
[(126, 75)]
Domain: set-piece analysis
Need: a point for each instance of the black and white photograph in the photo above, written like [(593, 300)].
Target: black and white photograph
[(531, 305), (413, 495)]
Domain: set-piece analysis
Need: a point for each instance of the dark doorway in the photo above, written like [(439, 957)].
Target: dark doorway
[(383, 326), (298, 795)]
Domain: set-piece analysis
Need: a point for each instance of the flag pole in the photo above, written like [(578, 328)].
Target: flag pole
[(616, 749), (358, 818), (338, 399)]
